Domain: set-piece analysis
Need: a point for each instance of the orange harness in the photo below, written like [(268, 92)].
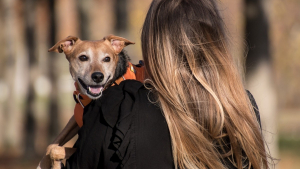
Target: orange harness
[(134, 72)]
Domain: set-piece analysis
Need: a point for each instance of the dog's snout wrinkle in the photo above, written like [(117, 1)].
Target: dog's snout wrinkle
[(97, 77)]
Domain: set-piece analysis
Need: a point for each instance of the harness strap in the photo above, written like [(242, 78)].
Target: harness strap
[(81, 101)]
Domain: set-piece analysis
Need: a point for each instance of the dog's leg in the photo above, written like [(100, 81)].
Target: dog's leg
[(67, 133)]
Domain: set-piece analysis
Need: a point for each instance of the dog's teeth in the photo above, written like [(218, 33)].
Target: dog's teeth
[(89, 88)]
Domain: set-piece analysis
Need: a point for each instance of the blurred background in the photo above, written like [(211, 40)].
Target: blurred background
[(36, 89)]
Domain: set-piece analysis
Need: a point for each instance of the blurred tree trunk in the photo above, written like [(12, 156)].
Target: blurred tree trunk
[(53, 105), (66, 18), (257, 35), (84, 9), (102, 19), (259, 70), (16, 73), (137, 11), (42, 84), (29, 137), (121, 14), (3, 84), (234, 20), (96, 18), (64, 22)]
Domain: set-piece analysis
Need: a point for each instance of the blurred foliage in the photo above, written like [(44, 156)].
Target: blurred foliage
[(290, 144)]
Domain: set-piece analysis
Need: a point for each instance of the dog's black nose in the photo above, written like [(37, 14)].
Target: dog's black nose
[(97, 77)]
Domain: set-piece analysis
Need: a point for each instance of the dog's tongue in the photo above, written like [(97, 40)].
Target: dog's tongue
[(95, 90)]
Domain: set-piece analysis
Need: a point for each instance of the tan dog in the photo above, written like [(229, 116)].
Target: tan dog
[(94, 65)]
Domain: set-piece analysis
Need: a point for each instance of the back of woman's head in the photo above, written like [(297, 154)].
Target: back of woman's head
[(198, 87)]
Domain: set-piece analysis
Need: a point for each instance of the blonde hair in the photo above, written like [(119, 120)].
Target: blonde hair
[(208, 112)]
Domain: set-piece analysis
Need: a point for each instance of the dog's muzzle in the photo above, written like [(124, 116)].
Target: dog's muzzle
[(93, 90)]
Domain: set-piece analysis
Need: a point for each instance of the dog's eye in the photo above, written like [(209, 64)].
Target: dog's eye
[(106, 59), (83, 58)]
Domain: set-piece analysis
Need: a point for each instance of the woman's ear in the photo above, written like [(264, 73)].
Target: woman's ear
[(64, 45), (118, 43)]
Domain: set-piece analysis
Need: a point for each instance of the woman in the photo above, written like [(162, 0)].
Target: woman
[(194, 111)]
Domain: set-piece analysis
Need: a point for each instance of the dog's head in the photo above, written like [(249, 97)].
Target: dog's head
[(92, 63)]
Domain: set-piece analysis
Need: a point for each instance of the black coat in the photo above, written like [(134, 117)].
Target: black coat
[(123, 129)]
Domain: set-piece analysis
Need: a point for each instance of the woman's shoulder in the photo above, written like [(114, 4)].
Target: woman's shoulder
[(135, 90), (141, 128), (141, 99)]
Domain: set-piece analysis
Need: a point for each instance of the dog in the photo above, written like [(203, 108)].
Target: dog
[(94, 66)]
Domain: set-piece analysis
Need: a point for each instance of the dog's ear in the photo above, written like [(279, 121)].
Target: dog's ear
[(64, 45), (118, 43)]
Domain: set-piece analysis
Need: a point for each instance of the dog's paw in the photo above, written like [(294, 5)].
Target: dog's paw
[(50, 147), (57, 153)]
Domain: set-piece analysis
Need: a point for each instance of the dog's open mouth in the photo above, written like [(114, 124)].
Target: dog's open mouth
[(93, 90)]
